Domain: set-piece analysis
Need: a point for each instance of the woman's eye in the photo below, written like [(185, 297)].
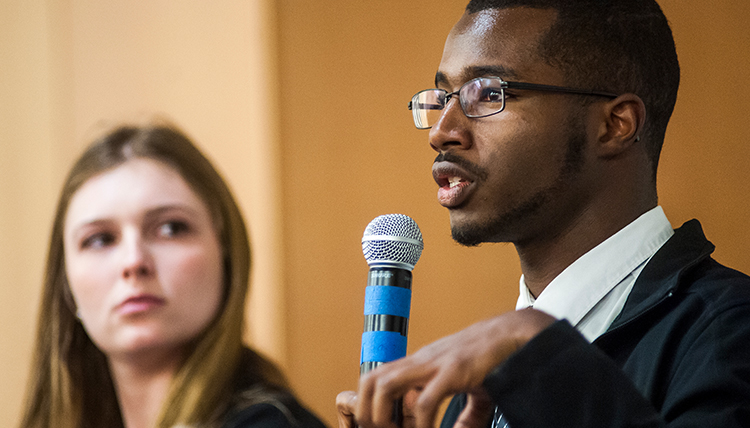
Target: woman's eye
[(173, 228), (98, 240)]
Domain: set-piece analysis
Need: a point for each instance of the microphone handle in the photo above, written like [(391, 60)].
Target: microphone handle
[(387, 307)]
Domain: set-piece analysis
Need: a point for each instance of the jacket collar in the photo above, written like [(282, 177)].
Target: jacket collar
[(661, 276)]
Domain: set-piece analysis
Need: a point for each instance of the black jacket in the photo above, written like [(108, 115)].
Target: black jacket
[(268, 415), (677, 356)]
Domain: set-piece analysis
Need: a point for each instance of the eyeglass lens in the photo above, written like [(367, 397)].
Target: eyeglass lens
[(426, 107), (478, 97)]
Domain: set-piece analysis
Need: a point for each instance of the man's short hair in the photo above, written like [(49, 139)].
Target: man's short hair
[(619, 46)]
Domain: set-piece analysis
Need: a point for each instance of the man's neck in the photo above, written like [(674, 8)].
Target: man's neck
[(542, 260)]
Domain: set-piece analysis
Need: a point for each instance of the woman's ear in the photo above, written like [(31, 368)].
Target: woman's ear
[(621, 125)]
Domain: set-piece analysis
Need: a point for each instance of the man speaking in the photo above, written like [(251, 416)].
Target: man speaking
[(548, 118)]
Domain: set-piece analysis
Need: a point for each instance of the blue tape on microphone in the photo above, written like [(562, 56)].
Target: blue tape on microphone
[(387, 300), (382, 346)]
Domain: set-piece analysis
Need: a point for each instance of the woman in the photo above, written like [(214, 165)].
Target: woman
[(142, 308)]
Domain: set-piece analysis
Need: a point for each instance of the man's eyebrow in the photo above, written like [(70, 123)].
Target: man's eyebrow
[(469, 73), (440, 78), (491, 70)]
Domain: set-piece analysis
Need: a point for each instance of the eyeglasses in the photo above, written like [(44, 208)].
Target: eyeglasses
[(480, 97)]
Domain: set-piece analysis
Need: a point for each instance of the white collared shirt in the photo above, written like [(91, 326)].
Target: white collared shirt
[(591, 292)]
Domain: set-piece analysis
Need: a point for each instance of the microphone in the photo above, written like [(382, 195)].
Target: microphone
[(392, 245)]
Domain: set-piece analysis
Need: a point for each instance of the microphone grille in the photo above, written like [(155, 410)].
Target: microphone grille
[(392, 240)]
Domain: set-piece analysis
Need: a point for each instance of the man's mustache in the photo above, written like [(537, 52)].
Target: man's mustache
[(479, 173)]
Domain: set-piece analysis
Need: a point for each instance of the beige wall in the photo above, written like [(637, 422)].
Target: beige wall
[(27, 157), (72, 68), (302, 105)]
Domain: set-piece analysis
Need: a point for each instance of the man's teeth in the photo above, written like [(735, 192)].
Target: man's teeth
[(454, 181)]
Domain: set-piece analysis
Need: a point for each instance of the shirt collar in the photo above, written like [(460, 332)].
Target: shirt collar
[(578, 288)]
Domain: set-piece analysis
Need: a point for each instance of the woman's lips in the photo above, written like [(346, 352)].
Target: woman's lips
[(140, 304)]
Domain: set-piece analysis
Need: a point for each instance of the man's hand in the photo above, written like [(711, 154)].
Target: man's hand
[(346, 402), (454, 364)]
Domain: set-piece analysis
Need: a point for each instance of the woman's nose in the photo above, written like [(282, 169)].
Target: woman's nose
[(137, 261)]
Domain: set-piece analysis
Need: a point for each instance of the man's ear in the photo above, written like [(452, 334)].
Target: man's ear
[(621, 125)]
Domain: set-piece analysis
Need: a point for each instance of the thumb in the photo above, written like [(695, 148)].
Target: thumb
[(478, 411), (346, 402)]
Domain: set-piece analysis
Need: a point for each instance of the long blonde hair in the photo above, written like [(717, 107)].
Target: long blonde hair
[(70, 384)]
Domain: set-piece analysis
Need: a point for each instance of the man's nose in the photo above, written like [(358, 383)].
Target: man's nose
[(451, 128)]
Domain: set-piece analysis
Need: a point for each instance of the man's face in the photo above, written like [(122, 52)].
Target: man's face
[(518, 175)]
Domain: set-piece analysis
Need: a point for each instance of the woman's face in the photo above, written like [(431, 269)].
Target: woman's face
[(143, 260)]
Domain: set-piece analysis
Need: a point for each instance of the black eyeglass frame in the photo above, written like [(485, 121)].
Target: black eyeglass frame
[(503, 86)]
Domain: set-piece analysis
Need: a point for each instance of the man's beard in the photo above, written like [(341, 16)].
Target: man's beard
[(473, 234)]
